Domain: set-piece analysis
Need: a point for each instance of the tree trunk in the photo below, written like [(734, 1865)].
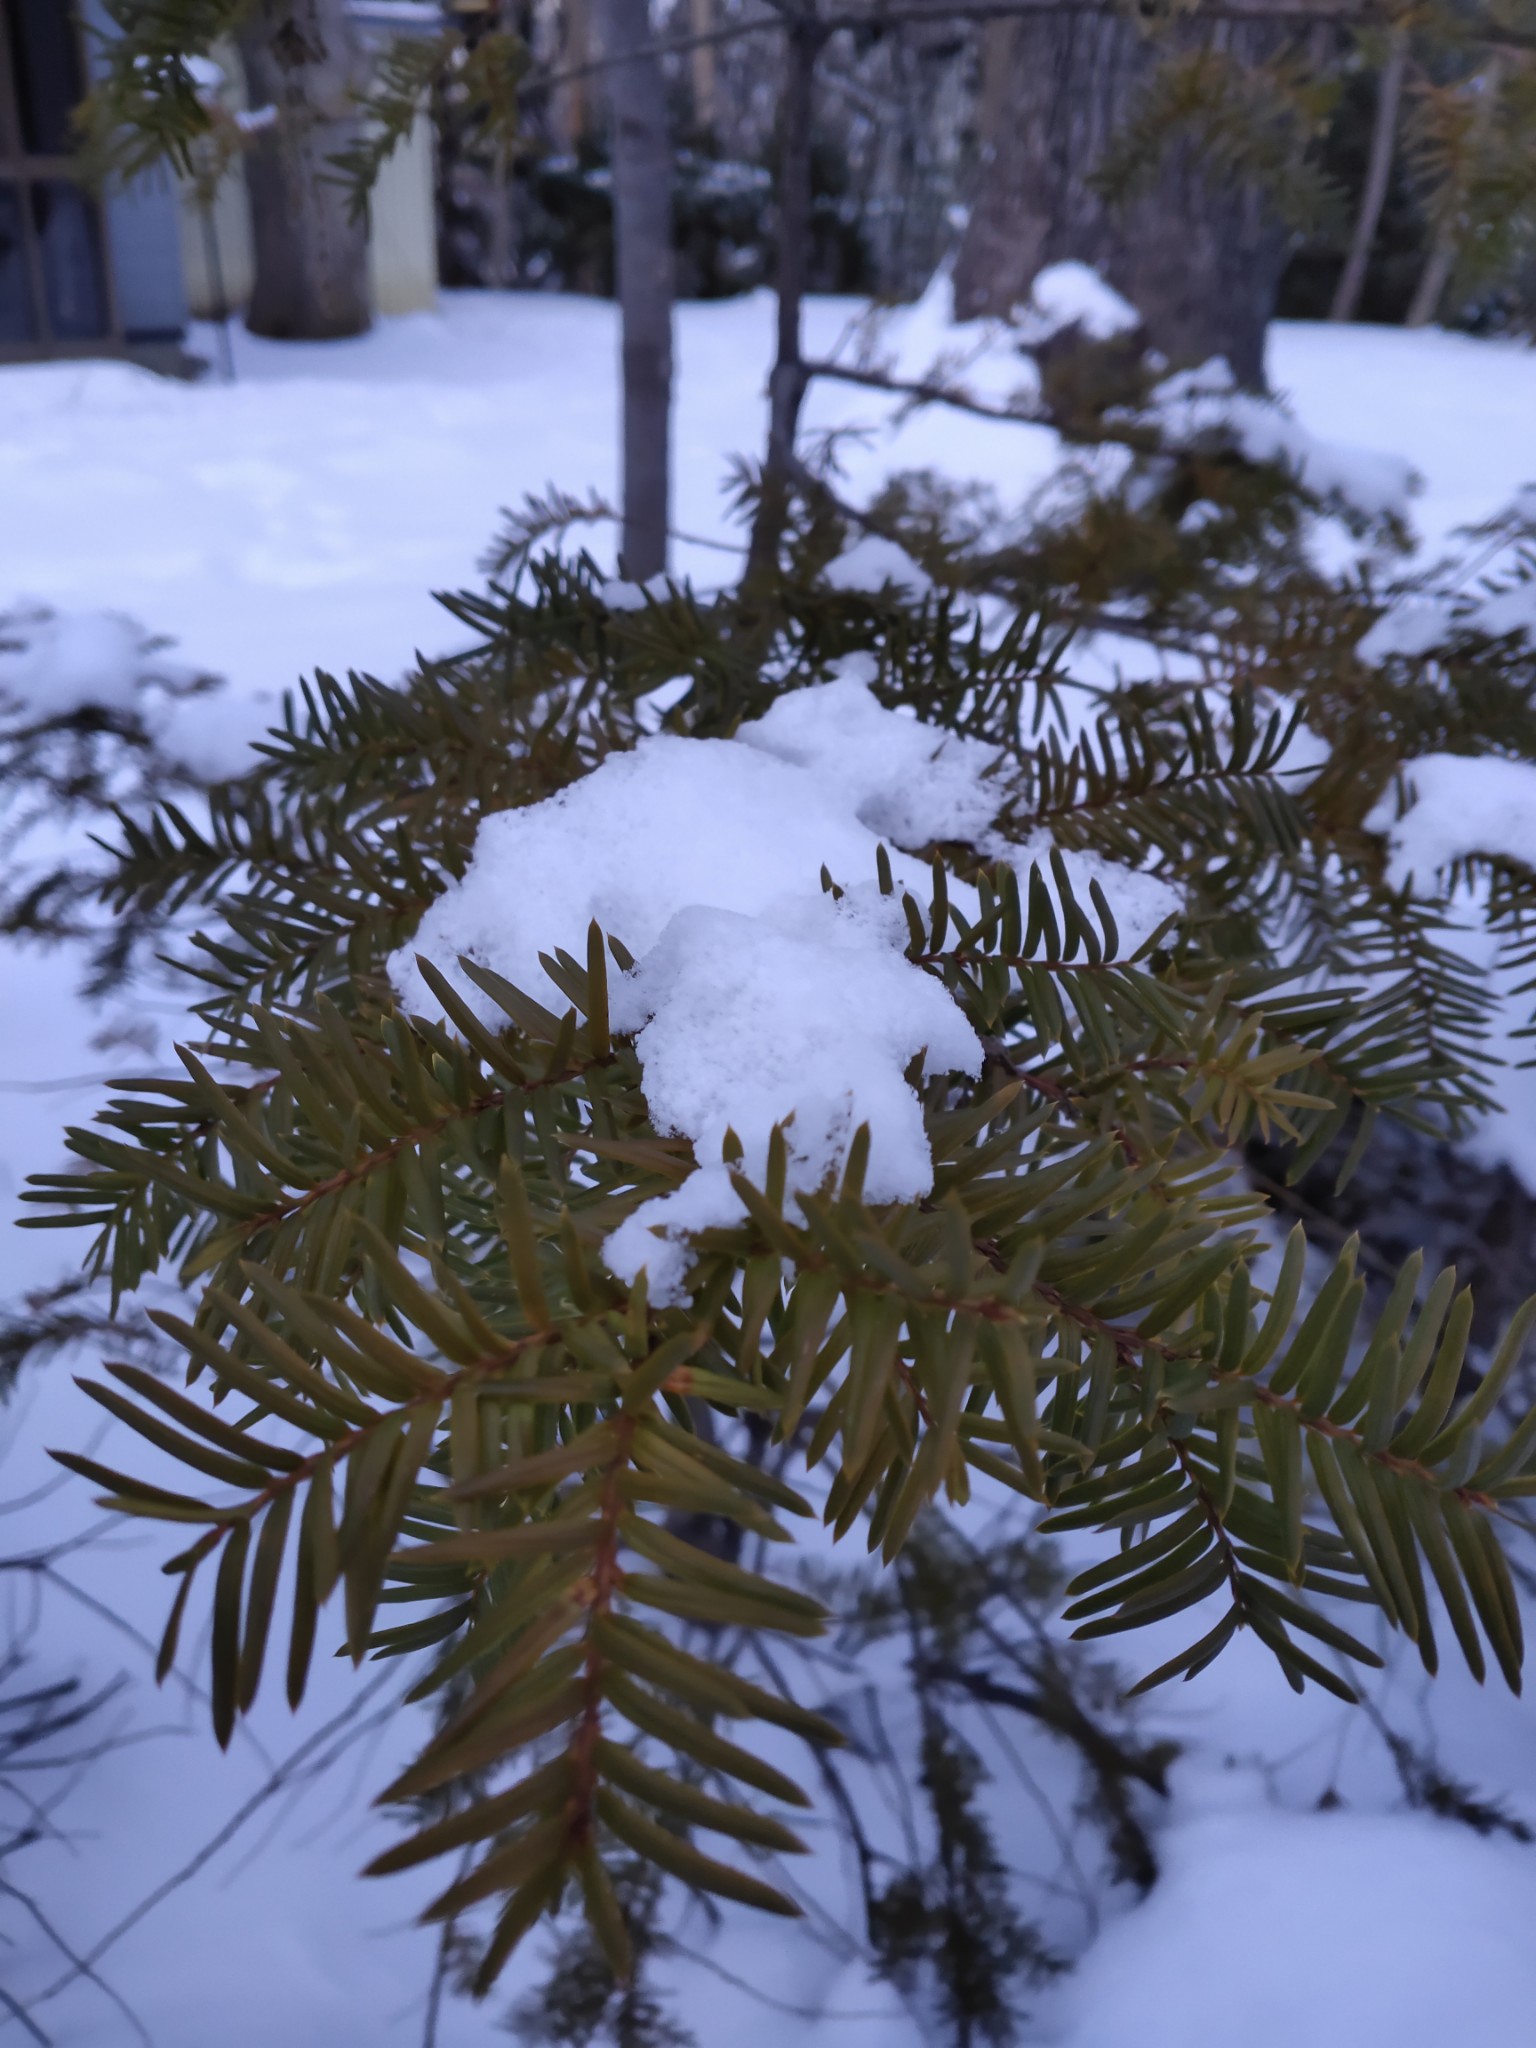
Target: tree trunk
[(786, 383), (572, 114), (994, 111), (1433, 278), (302, 58), (701, 65), (1446, 246), (1378, 175), (1199, 255), (642, 198)]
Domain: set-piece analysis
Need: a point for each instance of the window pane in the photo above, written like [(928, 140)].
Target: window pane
[(46, 62), (18, 321), (70, 241)]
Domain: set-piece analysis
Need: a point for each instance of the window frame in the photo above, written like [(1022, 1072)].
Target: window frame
[(25, 172)]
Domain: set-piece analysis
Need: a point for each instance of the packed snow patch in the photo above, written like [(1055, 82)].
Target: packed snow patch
[(808, 1016), (905, 780), (758, 998), (1458, 805)]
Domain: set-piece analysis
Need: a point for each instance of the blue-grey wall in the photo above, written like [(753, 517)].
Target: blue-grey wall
[(143, 239)]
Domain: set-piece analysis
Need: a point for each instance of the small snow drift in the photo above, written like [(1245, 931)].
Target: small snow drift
[(758, 997)]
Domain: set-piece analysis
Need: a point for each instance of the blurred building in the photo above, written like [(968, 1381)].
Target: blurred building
[(122, 273)]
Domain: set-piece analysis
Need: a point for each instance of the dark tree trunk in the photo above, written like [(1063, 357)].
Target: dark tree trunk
[(642, 198), (787, 380), (1378, 176), (1446, 246), (1199, 255), (302, 57)]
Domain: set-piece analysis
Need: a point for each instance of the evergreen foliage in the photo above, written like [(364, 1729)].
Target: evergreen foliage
[(411, 1384), (411, 1388)]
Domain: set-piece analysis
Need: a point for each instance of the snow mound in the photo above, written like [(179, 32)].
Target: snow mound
[(759, 998), (1459, 805), (1072, 294)]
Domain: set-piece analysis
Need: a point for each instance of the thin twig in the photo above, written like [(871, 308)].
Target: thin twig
[(280, 1777), (81, 1964)]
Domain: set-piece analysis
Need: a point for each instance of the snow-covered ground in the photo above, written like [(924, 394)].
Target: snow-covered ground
[(300, 517)]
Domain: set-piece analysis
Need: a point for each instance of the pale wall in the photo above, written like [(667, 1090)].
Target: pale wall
[(402, 250)]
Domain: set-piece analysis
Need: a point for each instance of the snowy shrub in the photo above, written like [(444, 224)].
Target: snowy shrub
[(86, 703), (688, 1071)]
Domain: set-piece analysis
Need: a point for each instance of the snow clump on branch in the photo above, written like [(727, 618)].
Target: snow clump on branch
[(759, 997)]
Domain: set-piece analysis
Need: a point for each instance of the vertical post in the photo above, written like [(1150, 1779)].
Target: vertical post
[(642, 207), (804, 37)]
